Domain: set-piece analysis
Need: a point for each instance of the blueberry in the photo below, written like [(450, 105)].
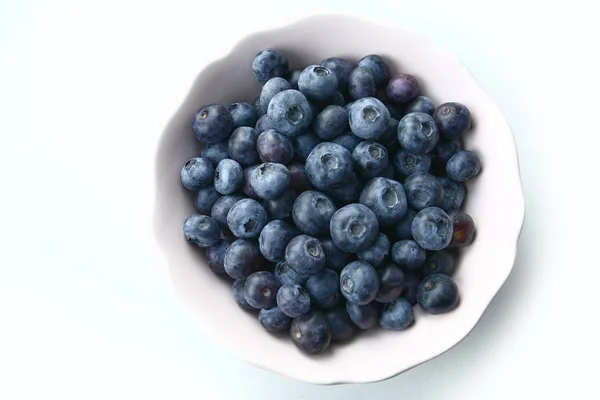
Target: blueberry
[(340, 324), (274, 320), (432, 228), (221, 208), (263, 124), (403, 229), (197, 173), (272, 146), (270, 180), (370, 159), (361, 83), (304, 144), (463, 229), (293, 300), (270, 89), (274, 238), (201, 230), (386, 198), (289, 112), (215, 256), (281, 207), (397, 315), (243, 114), (381, 71), (329, 165), (353, 228), (463, 166), (454, 194), (337, 99), (261, 290), (396, 111), (391, 283), (229, 176), (375, 254), (298, 178), (408, 255), (205, 199), (324, 289), (452, 119), (268, 64), (359, 282), (304, 255), (284, 274), (365, 317), (447, 148), (238, 294), (440, 262), (406, 164), (341, 69), (348, 140), (388, 172), (246, 218), (420, 104), (256, 105), (293, 77), (418, 133), (369, 118), (335, 258), (423, 190), (215, 152), (317, 82), (411, 284), (331, 122), (242, 146), (242, 257), (347, 193), (212, 123), (402, 88), (246, 187), (389, 138), (312, 212), (310, 333), (437, 294)]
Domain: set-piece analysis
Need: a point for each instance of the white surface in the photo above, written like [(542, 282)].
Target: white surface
[(85, 90)]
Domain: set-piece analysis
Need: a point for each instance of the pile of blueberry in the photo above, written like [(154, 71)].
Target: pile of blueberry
[(333, 200)]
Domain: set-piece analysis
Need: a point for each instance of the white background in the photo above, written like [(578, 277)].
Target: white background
[(88, 312)]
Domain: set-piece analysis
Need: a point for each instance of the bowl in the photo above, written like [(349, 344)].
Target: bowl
[(495, 202)]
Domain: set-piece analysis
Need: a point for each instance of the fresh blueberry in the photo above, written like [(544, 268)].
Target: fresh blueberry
[(396, 111), (335, 258), (263, 124), (317, 82), (205, 199), (197, 173), (238, 294), (268, 64), (353, 228), (375, 254), (423, 190), (304, 254), (341, 68), (347, 193), (310, 333), (454, 194), (348, 140), (406, 164), (304, 144), (324, 289), (284, 274), (386, 198), (440, 262), (331, 122), (289, 112), (388, 172), (340, 324), (437, 294), (408, 255), (329, 165), (215, 256), (246, 187), (432, 228), (312, 211), (411, 284), (246, 218), (293, 300), (370, 159), (270, 89), (274, 238), (243, 114), (337, 99), (389, 138), (463, 166), (261, 290), (270, 180), (281, 207), (446, 149), (256, 105), (242, 146), (229, 176), (418, 133), (242, 258), (212, 123), (272, 146), (365, 317), (369, 118), (391, 283), (361, 83), (463, 229), (215, 152), (298, 178), (359, 282), (201, 230), (274, 320), (293, 77), (420, 104), (403, 229), (221, 208), (402, 88), (452, 119), (397, 315), (381, 71)]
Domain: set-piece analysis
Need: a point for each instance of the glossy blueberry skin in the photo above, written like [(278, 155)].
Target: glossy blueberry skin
[(418, 133), (270, 180), (238, 294), (454, 194), (402, 88), (397, 315), (274, 147), (274, 320), (353, 228), (205, 199), (242, 258), (440, 262), (215, 256), (359, 282), (369, 118), (304, 144), (408, 255), (370, 159), (386, 198), (341, 326), (289, 112), (317, 82), (335, 258), (270, 89), (243, 114), (331, 122), (284, 274), (437, 294), (312, 211), (215, 152), (389, 138), (365, 317), (406, 164), (293, 300), (246, 187), (229, 176), (348, 140), (464, 165), (420, 104), (463, 229), (324, 289), (432, 228), (452, 119), (423, 190), (242, 146), (221, 208), (381, 71), (197, 173), (298, 178), (212, 123), (281, 207), (261, 289), (310, 333), (268, 64), (304, 254), (341, 68), (348, 192), (361, 83), (274, 238), (375, 254), (293, 77), (201, 230), (328, 165), (403, 229), (263, 124), (411, 284), (391, 283), (246, 218)]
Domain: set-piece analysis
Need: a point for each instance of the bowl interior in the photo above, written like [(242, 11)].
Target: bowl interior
[(495, 202)]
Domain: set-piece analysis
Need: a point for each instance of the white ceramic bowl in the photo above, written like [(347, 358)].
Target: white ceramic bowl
[(495, 201)]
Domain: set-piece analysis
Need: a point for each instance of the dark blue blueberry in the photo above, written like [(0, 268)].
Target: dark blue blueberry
[(304, 254), (390, 137), (256, 105), (446, 149), (317, 83), (348, 140), (440, 262), (406, 164), (396, 111), (411, 284), (359, 282), (304, 144), (215, 256), (310, 333), (289, 112), (335, 258), (212, 123), (418, 133), (261, 289), (298, 178), (397, 315), (243, 114), (340, 324), (221, 208), (402, 88), (274, 320), (293, 300), (341, 68), (423, 190), (197, 173), (284, 274), (329, 165), (242, 146), (381, 71), (361, 83), (386, 198), (353, 228), (272, 146), (370, 159), (408, 255), (375, 254), (432, 228), (229, 176), (293, 77), (312, 212), (331, 122), (269, 90), (274, 238), (281, 207), (347, 193), (420, 104), (337, 99), (454, 194), (201, 230), (238, 294), (268, 64), (463, 229), (369, 118), (215, 152), (437, 294), (246, 218), (365, 317), (463, 166), (388, 172), (205, 199), (246, 187), (403, 229), (242, 258), (270, 180), (391, 283), (452, 119), (324, 289), (263, 124)]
